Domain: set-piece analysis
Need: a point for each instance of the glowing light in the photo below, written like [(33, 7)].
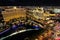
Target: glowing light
[(56, 10), (14, 7), (47, 18)]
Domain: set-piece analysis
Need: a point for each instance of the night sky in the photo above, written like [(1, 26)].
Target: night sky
[(31, 2)]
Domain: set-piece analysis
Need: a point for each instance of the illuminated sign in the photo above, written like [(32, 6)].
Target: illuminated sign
[(56, 10)]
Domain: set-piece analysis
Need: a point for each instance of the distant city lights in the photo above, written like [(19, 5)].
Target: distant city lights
[(56, 10)]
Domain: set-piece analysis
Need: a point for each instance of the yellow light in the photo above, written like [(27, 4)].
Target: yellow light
[(47, 18), (14, 7)]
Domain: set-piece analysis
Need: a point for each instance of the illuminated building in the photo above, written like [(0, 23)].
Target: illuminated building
[(13, 13)]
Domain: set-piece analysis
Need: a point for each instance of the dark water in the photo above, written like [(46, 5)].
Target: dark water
[(31, 35)]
